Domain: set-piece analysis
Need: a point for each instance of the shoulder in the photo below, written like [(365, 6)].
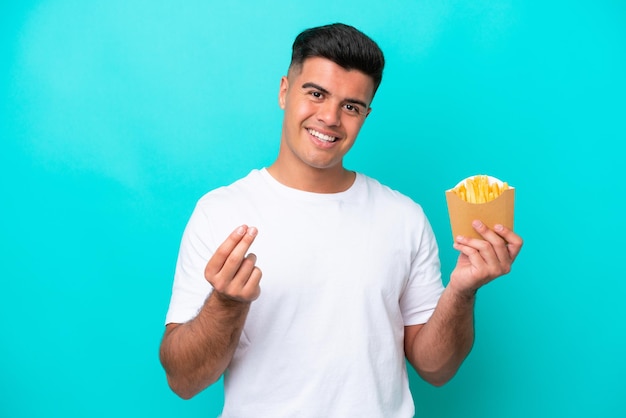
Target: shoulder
[(220, 210), (235, 191), (229, 204), (399, 216), (390, 197)]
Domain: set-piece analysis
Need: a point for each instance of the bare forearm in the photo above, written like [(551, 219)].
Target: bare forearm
[(196, 353), (440, 347), (437, 348)]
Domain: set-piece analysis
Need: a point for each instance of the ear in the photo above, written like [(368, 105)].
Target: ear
[(282, 92)]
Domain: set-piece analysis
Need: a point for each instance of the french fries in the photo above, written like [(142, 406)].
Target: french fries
[(479, 189)]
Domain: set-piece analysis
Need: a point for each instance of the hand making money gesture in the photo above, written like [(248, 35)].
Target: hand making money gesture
[(232, 271)]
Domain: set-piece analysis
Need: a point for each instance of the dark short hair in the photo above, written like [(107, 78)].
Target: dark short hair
[(344, 45)]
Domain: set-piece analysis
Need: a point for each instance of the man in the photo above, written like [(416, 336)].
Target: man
[(351, 275)]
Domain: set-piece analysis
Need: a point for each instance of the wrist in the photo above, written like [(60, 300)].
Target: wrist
[(465, 294), (227, 302)]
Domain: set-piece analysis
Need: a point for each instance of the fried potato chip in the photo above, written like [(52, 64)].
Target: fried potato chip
[(480, 189)]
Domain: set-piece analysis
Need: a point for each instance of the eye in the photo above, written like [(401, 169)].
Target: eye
[(353, 109), (316, 94)]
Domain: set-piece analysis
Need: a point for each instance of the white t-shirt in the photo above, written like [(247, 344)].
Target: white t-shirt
[(343, 274)]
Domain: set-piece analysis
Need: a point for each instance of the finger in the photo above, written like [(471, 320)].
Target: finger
[(238, 255), (514, 241), (474, 256), (486, 259), (245, 285), (252, 288), (477, 270), (479, 248), (224, 251), (242, 275), (497, 242)]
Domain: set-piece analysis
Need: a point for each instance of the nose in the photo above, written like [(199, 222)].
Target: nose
[(329, 113)]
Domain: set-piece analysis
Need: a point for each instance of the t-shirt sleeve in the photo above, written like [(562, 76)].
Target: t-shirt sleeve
[(424, 288), (190, 288)]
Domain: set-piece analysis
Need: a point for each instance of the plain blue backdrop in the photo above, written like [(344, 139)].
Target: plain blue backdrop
[(116, 116)]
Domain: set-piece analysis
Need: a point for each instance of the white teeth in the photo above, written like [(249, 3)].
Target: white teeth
[(321, 136)]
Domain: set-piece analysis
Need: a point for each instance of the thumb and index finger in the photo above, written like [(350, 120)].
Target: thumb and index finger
[(233, 250)]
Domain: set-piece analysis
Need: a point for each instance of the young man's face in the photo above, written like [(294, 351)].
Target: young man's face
[(325, 106)]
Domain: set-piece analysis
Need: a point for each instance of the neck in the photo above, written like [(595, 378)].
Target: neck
[(315, 180)]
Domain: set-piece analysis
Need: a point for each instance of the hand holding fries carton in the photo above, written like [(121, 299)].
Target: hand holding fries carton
[(480, 197)]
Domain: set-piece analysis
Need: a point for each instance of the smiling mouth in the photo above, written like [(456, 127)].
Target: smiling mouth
[(321, 136)]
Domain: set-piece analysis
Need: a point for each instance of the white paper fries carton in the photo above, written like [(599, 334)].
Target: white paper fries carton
[(497, 211)]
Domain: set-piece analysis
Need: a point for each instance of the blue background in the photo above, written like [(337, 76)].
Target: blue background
[(116, 116)]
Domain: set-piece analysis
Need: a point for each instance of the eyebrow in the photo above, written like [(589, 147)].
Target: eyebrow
[(309, 85)]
